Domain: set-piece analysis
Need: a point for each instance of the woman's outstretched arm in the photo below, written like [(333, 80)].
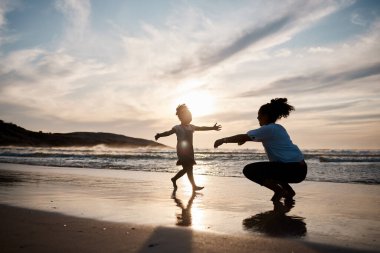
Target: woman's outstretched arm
[(240, 139), (164, 134), (216, 127)]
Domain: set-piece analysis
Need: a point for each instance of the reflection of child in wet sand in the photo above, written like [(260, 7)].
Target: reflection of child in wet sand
[(184, 218), (185, 150)]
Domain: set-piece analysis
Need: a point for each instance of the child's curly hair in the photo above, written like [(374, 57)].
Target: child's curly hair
[(181, 108)]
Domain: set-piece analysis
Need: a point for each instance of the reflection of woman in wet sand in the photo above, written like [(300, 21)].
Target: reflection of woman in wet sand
[(276, 222), (185, 150), (184, 218), (286, 162)]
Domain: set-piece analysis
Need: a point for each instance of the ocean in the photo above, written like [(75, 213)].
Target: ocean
[(324, 165)]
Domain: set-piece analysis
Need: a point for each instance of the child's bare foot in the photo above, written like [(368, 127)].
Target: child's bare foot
[(197, 188), (174, 183)]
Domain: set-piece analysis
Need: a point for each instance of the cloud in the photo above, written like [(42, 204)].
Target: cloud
[(329, 107), (193, 44), (245, 40), (3, 10), (42, 80), (357, 19), (214, 57), (38, 65), (6, 6), (320, 50), (317, 81), (35, 119), (231, 116), (357, 117), (260, 35), (362, 16), (77, 13), (12, 109), (234, 116), (59, 86), (283, 53)]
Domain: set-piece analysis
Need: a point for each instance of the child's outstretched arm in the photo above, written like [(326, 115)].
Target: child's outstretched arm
[(240, 139), (164, 134), (216, 127)]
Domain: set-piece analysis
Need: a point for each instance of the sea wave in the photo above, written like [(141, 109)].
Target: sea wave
[(342, 166), (350, 159)]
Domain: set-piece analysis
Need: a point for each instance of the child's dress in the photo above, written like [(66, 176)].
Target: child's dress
[(185, 150)]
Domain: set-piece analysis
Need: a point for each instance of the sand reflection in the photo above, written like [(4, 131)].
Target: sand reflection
[(276, 222), (184, 217)]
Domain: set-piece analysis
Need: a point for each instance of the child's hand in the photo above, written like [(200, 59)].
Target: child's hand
[(157, 136), (217, 127), (218, 143)]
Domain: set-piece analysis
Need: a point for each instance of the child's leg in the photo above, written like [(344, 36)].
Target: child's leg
[(178, 175), (190, 175)]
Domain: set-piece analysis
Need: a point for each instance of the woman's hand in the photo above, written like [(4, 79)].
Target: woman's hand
[(217, 127), (240, 139), (157, 136), (218, 142)]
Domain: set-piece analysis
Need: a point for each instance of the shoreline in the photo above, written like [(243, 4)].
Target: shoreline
[(169, 172), (324, 214)]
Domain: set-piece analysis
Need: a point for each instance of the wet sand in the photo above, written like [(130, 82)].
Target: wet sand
[(47, 209)]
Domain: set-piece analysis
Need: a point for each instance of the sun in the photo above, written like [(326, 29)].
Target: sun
[(196, 96), (200, 103)]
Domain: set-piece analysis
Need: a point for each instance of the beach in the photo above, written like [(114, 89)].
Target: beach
[(60, 209)]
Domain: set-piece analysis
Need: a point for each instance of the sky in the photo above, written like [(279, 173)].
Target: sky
[(123, 66)]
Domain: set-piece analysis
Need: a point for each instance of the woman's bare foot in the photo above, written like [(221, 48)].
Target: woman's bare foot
[(288, 195), (276, 197)]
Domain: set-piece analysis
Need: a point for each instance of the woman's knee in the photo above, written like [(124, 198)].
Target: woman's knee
[(246, 170), (251, 172), (301, 177)]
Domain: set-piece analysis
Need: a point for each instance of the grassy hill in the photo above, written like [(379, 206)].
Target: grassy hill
[(11, 134)]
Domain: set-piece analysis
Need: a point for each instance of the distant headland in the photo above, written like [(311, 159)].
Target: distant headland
[(13, 135)]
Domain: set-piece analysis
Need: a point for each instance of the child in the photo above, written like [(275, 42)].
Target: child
[(185, 151), (286, 162)]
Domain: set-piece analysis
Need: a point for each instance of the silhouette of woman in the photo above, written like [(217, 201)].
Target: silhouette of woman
[(286, 161)]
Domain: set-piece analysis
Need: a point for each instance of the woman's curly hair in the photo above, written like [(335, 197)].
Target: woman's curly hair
[(277, 108)]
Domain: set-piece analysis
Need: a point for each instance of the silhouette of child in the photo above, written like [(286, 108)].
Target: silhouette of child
[(286, 161), (185, 150)]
